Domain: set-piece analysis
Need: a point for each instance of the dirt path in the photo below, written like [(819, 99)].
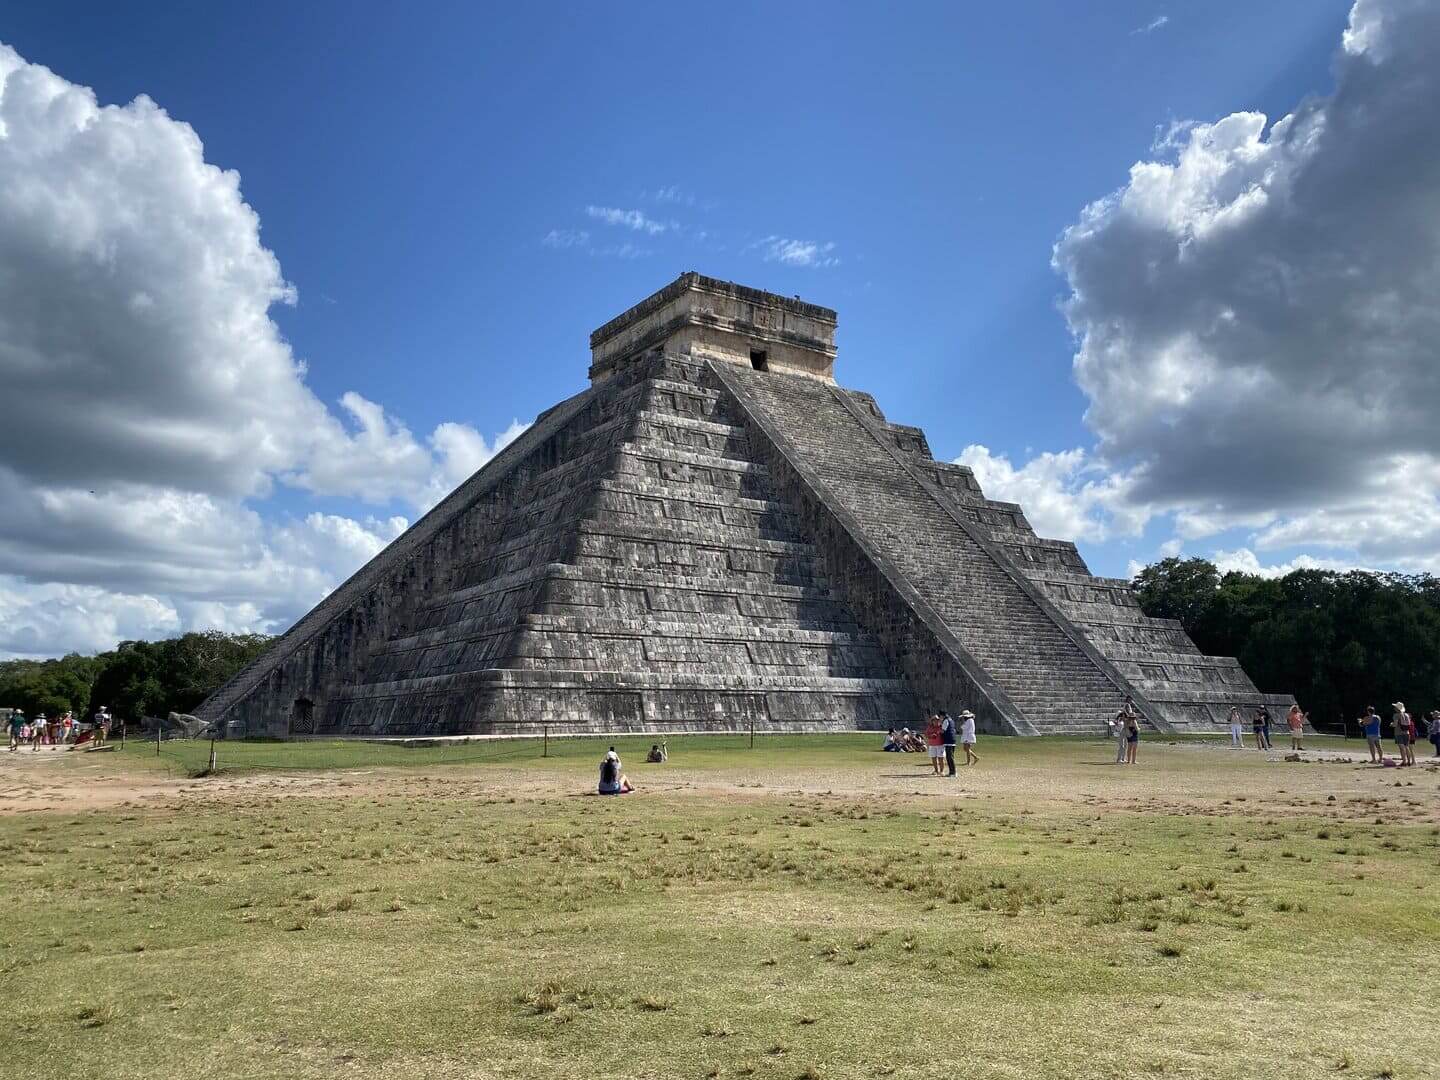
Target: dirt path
[(1180, 778)]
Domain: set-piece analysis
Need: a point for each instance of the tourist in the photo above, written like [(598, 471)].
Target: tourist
[(1296, 722), (1265, 726), (1370, 725), (613, 780), (1237, 729), (1117, 728), (38, 732), (911, 742), (1132, 737), (101, 731), (657, 755), (967, 737), (1434, 728), (1257, 727), (1404, 734), (935, 745), (17, 726), (892, 743), (947, 734)]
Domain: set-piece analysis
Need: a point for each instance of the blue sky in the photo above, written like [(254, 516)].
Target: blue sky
[(408, 163)]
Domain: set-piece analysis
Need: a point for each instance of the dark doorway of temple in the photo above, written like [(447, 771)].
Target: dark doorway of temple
[(302, 717), (759, 360)]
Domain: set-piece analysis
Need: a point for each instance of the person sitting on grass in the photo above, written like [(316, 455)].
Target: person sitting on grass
[(657, 754), (612, 780), (892, 743), (912, 742)]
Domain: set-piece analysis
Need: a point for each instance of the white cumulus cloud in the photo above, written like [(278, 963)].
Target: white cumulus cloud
[(1063, 495), (1255, 312), (148, 400)]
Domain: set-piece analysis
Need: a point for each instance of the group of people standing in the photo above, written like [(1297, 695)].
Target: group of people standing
[(1125, 730), (1405, 730), (61, 731), (1295, 721)]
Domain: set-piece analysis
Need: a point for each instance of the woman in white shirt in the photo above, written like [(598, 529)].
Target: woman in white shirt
[(967, 737), (1237, 730)]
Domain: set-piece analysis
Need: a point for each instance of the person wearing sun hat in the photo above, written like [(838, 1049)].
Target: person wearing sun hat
[(1404, 737), (967, 737)]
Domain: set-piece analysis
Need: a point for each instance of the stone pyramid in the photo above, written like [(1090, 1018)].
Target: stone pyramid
[(714, 535)]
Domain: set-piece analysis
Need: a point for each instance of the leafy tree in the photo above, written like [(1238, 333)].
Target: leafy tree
[(49, 686), (1180, 589), (135, 679), (153, 678), (1338, 642)]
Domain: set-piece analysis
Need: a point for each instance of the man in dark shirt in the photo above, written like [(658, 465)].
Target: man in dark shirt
[(947, 736)]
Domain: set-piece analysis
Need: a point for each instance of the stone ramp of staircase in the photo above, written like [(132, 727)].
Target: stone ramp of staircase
[(1056, 683)]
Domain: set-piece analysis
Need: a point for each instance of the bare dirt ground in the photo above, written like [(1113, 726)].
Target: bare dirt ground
[(1174, 778)]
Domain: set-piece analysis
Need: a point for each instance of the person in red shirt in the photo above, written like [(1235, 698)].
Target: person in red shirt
[(935, 745)]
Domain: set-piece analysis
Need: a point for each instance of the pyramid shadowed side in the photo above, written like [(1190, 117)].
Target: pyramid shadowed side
[(632, 571)]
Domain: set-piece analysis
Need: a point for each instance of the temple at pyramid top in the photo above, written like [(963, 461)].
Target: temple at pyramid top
[(714, 535), (705, 318)]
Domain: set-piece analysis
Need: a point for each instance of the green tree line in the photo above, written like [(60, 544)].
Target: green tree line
[(1337, 641), (135, 679)]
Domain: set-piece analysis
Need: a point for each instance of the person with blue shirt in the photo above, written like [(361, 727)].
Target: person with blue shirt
[(1370, 723)]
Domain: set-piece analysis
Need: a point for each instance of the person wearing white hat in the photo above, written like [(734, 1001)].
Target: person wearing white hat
[(967, 737), (1404, 734)]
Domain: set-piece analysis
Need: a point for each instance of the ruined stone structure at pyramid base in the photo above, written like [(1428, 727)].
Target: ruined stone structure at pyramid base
[(714, 536)]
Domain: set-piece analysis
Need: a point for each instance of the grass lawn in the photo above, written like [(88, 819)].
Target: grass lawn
[(811, 908)]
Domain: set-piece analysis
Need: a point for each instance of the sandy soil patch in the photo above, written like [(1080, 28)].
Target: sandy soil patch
[(1174, 778)]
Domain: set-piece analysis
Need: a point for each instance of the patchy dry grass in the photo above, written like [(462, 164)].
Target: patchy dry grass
[(1253, 920)]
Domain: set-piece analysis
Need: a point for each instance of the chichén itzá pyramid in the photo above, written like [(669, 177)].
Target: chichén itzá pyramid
[(714, 534)]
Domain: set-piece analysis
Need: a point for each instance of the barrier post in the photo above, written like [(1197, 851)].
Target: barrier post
[(212, 754), (545, 740), (157, 736), (752, 731)]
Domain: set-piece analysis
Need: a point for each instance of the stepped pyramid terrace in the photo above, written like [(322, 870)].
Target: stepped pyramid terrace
[(715, 534)]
